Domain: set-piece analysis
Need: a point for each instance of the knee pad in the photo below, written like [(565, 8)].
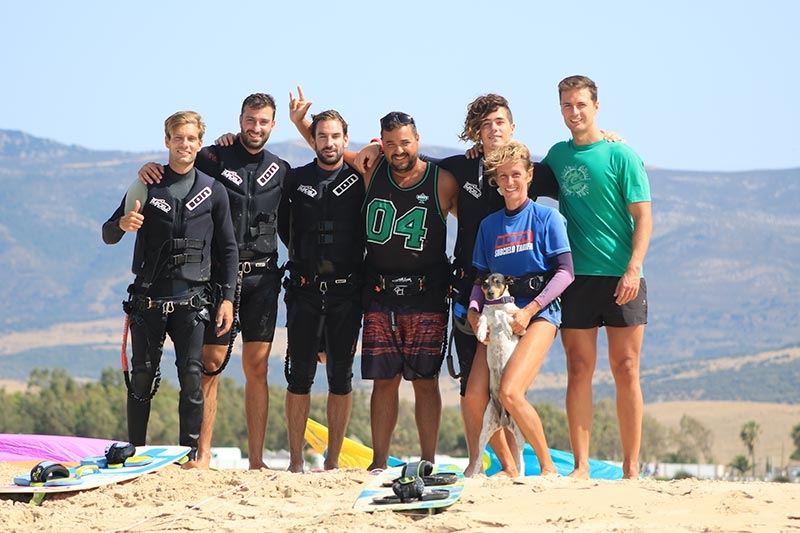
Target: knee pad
[(295, 387), (190, 378), (340, 390), (142, 382)]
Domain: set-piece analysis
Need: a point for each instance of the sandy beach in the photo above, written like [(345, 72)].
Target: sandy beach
[(322, 502)]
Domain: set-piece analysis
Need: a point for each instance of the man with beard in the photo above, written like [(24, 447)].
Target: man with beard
[(320, 222), (405, 293), (254, 179)]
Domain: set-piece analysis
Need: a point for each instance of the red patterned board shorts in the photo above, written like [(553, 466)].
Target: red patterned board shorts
[(415, 348)]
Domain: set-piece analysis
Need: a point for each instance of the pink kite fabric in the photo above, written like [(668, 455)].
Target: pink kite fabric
[(17, 447)]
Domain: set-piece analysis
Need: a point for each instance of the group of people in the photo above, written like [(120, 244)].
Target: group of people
[(366, 236)]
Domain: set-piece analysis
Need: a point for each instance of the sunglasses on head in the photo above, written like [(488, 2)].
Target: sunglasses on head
[(396, 119)]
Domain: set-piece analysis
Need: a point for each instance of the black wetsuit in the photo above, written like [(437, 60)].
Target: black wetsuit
[(170, 295), (320, 222), (255, 183)]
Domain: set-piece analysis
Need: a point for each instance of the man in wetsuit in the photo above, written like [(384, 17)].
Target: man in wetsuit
[(320, 222), (179, 224), (254, 179)]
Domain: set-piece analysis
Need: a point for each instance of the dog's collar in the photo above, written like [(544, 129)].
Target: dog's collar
[(502, 300)]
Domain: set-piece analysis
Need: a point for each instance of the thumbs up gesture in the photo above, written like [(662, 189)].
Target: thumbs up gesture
[(133, 220)]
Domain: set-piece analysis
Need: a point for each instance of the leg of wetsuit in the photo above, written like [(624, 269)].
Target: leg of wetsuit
[(147, 343), (186, 327)]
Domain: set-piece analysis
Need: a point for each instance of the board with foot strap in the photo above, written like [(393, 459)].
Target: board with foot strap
[(92, 472), (431, 490)]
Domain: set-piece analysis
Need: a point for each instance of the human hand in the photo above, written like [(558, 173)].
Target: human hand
[(520, 318), (367, 157), (226, 139), (475, 152), (224, 317), (151, 173), (627, 288), (612, 137), (473, 318), (133, 220), (298, 107)]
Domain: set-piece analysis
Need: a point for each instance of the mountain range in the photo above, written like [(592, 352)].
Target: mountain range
[(722, 269)]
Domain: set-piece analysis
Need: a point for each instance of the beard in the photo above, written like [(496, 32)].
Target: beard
[(329, 159), (253, 145), (405, 165)]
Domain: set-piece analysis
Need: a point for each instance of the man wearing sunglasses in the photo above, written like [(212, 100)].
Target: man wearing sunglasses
[(407, 279)]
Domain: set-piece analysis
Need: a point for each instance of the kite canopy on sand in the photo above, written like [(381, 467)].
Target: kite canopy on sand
[(17, 447)]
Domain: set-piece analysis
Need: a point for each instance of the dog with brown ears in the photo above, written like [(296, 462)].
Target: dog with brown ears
[(495, 324)]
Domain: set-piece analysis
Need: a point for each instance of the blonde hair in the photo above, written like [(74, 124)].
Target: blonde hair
[(184, 117), (512, 152)]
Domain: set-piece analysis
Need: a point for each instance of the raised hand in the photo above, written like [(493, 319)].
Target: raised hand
[(298, 107), (133, 220)]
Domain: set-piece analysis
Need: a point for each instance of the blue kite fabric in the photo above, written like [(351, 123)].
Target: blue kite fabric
[(564, 462)]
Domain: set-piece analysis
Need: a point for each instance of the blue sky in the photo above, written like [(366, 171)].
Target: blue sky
[(690, 85)]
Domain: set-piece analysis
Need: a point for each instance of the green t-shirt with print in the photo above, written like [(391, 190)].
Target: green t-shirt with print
[(596, 184)]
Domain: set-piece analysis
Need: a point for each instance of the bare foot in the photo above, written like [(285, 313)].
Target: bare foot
[(203, 461), (258, 465), (631, 475), (297, 469), (190, 465), (470, 471), (549, 471), (331, 466), (579, 473)]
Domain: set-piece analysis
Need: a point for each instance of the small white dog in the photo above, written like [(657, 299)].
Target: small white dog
[(495, 321)]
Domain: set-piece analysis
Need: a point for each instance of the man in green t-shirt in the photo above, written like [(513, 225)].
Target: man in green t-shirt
[(605, 197)]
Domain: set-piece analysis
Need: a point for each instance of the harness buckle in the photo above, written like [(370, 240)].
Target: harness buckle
[(168, 307)]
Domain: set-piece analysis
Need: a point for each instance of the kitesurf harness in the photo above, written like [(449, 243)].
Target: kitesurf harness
[(138, 303), (323, 284)]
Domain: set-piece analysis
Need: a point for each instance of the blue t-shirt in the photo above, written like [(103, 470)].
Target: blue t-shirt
[(525, 243)]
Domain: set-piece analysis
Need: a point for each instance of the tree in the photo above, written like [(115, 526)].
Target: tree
[(694, 441), (796, 440), (749, 436), (740, 464)]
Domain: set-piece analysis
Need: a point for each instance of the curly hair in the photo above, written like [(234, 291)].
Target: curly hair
[(477, 110), (513, 152)]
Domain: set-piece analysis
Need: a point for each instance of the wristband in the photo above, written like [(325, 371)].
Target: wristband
[(378, 141)]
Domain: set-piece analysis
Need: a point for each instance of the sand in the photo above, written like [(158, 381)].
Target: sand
[(321, 502)]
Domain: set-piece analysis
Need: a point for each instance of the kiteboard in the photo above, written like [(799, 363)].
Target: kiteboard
[(379, 495), (90, 475)]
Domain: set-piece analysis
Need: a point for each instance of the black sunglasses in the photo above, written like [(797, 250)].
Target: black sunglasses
[(396, 119)]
